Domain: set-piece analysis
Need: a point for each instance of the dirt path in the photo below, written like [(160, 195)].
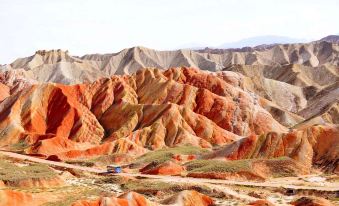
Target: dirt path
[(59, 164), (331, 187), (223, 189), (211, 182)]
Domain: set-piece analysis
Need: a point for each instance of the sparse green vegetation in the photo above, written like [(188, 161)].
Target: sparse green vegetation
[(277, 167), (84, 163), (110, 180), (162, 155), (151, 186), (11, 172), (97, 161), (283, 167), (218, 166), (142, 185), (79, 193), (19, 146)]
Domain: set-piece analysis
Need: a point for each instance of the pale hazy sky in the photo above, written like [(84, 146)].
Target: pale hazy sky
[(105, 26)]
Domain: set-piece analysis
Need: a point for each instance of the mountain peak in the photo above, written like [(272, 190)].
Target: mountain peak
[(54, 56), (51, 52), (331, 38)]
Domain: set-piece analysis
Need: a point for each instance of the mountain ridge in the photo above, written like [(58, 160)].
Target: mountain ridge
[(73, 69)]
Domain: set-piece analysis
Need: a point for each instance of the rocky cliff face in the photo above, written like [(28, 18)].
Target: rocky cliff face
[(154, 109), (317, 145), (292, 77), (149, 109)]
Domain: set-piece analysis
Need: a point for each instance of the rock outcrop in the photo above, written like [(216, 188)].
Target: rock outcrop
[(311, 201), (128, 199), (187, 198), (166, 168), (261, 203), (154, 109), (316, 145), (150, 109), (11, 197)]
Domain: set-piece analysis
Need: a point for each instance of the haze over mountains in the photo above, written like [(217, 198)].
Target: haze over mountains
[(259, 40), (248, 42)]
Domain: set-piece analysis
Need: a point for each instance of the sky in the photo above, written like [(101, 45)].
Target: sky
[(107, 26)]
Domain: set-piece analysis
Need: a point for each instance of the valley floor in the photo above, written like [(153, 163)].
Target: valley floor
[(279, 191)]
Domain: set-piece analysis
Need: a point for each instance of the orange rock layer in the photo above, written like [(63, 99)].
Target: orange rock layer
[(149, 110), (144, 111), (316, 145), (187, 198)]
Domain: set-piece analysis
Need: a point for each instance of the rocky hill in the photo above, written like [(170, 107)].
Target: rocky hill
[(60, 67), (148, 110), (331, 38)]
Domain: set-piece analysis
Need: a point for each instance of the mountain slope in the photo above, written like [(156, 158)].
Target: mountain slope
[(149, 109), (152, 109), (331, 38), (58, 66)]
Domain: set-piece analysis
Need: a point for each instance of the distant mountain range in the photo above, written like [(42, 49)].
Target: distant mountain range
[(331, 38), (61, 67), (258, 41)]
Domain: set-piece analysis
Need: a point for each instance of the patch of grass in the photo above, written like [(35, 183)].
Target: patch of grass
[(19, 146), (98, 161), (218, 166), (110, 180), (162, 155), (151, 186), (141, 185), (335, 199), (283, 167), (279, 167), (246, 188), (84, 163), (78, 194), (11, 172)]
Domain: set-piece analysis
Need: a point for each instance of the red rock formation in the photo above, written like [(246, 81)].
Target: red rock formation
[(311, 201), (107, 201), (127, 199), (150, 109), (49, 118), (119, 146), (208, 95), (185, 198), (55, 119), (11, 197), (184, 158), (189, 198), (36, 182), (261, 203), (166, 168), (4, 92), (15, 80), (314, 145)]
